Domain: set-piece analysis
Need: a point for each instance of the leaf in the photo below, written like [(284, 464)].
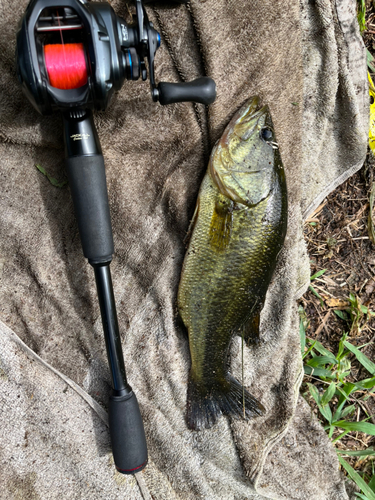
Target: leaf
[(340, 436), (365, 384), (364, 309), (314, 393), (308, 351), (319, 372), (341, 314), (324, 410), (340, 353), (328, 394), (316, 275), (357, 453), (302, 328), (320, 361), (362, 358), (332, 302), (347, 411), (357, 478), (361, 14), (356, 426), (312, 289), (322, 350), (372, 482), (359, 495), (370, 61), (52, 180)]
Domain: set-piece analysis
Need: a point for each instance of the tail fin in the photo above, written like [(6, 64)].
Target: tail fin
[(205, 406)]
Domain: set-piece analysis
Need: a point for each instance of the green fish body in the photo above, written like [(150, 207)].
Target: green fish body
[(237, 232)]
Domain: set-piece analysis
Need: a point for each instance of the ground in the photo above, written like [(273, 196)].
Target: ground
[(339, 240)]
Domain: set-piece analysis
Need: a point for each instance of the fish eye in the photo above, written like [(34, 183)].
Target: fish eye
[(266, 134)]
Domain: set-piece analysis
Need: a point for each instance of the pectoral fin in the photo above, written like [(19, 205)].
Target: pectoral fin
[(221, 224)]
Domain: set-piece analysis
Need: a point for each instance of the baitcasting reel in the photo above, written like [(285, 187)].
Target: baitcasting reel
[(112, 51), (71, 56)]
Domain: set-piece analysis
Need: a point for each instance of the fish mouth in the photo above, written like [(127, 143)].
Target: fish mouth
[(248, 119)]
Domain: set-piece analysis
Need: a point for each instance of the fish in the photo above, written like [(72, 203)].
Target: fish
[(236, 235)]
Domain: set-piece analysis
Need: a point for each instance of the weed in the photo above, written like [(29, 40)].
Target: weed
[(356, 314), (342, 397), (361, 13)]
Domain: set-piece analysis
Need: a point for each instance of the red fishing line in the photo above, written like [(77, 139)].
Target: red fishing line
[(66, 65)]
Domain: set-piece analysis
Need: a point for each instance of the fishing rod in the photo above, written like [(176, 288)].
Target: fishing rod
[(72, 56)]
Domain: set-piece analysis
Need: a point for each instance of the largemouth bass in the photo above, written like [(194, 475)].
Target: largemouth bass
[(237, 232)]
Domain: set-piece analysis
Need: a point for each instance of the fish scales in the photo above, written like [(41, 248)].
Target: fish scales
[(238, 230)]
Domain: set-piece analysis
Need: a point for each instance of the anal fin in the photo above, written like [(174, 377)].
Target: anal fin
[(250, 330)]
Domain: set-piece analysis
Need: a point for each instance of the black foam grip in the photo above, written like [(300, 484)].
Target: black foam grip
[(201, 90), (128, 438), (88, 187)]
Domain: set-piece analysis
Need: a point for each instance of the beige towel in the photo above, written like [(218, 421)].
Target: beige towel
[(307, 61)]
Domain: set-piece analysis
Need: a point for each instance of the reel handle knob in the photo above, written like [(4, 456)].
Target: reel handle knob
[(201, 90)]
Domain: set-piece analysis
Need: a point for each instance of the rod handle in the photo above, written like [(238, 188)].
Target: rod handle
[(128, 438), (88, 187)]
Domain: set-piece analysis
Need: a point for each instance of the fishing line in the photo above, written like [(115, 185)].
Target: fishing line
[(66, 65), (243, 377)]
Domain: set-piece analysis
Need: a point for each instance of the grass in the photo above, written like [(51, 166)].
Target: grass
[(338, 309), (361, 14), (339, 398)]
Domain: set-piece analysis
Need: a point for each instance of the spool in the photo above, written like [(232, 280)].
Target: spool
[(66, 65)]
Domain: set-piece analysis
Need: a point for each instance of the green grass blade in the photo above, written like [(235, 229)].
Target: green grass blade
[(320, 361), (302, 329), (356, 426), (372, 482), (370, 61), (365, 384), (324, 410), (328, 394), (358, 453), (341, 314), (319, 372), (312, 289), (347, 411), (362, 358), (52, 180), (361, 15), (340, 436), (363, 497), (322, 350), (316, 275), (314, 393), (308, 351), (357, 478), (341, 350)]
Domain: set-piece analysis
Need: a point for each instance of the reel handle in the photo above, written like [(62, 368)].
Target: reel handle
[(201, 90)]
